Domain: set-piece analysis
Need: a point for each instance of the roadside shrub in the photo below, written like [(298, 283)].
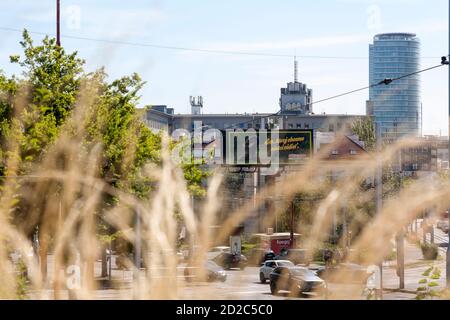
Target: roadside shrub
[(247, 247), (428, 286), (430, 251)]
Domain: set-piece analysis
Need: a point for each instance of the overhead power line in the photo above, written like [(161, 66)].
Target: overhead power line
[(199, 50), (253, 120), (386, 82)]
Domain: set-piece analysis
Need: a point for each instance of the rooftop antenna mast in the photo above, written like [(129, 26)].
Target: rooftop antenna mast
[(295, 69), (196, 105)]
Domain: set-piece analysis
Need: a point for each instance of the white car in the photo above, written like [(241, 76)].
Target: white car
[(268, 266), (215, 251), (443, 225)]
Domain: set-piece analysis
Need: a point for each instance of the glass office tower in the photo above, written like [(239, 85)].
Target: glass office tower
[(396, 107)]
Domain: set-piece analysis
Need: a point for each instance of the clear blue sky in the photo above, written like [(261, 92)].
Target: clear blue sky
[(236, 83)]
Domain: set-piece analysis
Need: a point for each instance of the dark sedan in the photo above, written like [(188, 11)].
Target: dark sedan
[(297, 280), (296, 256), (258, 256)]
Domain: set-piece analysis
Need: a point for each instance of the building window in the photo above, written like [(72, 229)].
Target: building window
[(291, 126), (299, 125), (335, 152), (331, 128), (306, 126), (353, 152)]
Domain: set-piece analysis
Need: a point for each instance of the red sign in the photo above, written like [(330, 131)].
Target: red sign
[(278, 244)]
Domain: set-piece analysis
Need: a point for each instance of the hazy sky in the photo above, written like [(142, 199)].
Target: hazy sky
[(241, 83)]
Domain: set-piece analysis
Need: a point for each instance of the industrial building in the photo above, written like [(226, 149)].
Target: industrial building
[(295, 112)]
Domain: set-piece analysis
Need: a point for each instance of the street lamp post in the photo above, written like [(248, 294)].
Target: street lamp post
[(137, 250), (58, 23)]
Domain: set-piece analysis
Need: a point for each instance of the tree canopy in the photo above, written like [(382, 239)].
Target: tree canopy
[(35, 108)]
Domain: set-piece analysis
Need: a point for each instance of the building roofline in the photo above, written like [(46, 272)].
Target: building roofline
[(356, 143), (188, 115), (392, 34), (259, 115), (163, 114), (256, 116)]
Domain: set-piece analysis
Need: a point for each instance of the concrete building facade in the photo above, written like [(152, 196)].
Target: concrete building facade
[(295, 113)]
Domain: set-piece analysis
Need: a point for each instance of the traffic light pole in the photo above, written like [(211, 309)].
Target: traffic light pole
[(448, 245), (379, 193)]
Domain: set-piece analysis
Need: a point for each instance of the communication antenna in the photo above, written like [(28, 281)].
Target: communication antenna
[(295, 69), (196, 105)]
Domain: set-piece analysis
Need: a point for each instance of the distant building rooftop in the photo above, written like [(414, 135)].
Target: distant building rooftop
[(396, 36)]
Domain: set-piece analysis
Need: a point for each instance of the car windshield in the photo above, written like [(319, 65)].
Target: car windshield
[(285, 264), (212, 265), (302, 272)]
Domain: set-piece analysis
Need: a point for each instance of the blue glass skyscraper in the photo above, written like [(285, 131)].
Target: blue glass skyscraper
[(397, 106)]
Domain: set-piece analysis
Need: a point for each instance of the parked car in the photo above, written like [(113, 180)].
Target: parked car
[(229, 261), (215, 251), (297, 280), (296, 256), (443, 225), (344, 273), (268, 266), (127, 261), (220, 249), (213, 272), (258, 256)]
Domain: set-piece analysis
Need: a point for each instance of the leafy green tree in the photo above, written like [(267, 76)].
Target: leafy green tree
[(52, 78), (365, 129), (42, 102), (115, 122), (33, 108), (8, 90)]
